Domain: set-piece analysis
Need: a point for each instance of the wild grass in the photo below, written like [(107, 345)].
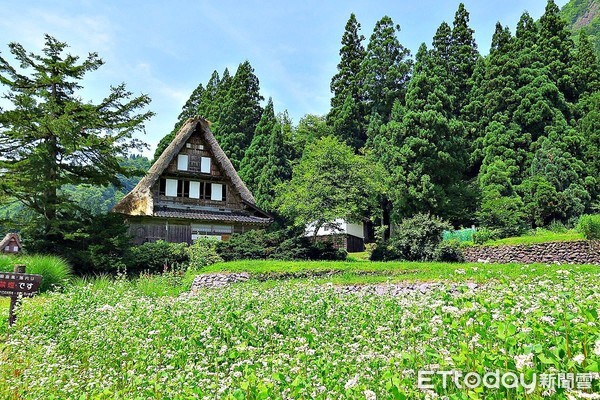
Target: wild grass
[(54, 270), (370, 272), (539, 236)]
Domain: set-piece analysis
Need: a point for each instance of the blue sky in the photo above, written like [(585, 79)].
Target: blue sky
[(165, 49)]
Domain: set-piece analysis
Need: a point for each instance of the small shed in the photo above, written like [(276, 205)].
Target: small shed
[(346, 235), (11, 244)]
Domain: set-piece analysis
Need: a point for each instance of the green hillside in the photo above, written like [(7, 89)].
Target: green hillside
[(584, 14)]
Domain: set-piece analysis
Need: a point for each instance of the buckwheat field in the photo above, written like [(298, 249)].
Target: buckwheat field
[(303, 340)]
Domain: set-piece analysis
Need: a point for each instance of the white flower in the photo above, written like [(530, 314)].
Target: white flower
[(106, 308), (524, 360), (370, 395), (579, 358), (351, 383), (460, 271), (597, 348), (151, 333), (548, 319)]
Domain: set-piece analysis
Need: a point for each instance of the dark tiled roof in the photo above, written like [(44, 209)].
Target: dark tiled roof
[(207, 216)]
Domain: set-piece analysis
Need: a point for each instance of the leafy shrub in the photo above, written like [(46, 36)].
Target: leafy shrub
[(54, 270), (261, 245), (89, 243), (504, 215), (295, 248), (589, 226), (252, 245), (326, 251), (557, 227), (203, 252), (415, 239), (483, 235), (449, 251), (157, 256)]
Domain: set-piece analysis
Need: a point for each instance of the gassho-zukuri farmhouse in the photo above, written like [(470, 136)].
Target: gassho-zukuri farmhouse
[(191, 191)]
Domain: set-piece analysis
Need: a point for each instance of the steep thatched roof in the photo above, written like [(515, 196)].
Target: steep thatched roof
[(8, 238), (139, 200)]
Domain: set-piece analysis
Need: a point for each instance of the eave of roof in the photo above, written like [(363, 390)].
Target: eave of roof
[(219, 217)]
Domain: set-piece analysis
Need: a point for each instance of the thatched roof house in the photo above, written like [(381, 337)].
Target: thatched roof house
[(11, 244), (192, 190)]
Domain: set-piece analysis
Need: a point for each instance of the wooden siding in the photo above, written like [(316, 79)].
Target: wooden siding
[(150, 229), (195, 156), (233, 200)]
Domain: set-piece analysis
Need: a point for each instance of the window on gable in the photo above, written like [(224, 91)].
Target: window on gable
[(205, 165), (171, 186), (194, 190), (217, 192), (182, 162)]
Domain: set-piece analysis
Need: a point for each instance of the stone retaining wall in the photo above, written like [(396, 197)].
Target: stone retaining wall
[(575, 252)]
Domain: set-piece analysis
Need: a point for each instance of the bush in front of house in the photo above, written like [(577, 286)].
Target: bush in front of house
[(589, 226), (252, 245), (418, 239), (90, 244), (304, 248), (55, 271), (157, 256), (279, 245), (203, 252)]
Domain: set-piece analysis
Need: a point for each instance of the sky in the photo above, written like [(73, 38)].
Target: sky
[(166, 48)]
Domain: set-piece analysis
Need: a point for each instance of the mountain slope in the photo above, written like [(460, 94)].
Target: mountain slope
[(584, 14)]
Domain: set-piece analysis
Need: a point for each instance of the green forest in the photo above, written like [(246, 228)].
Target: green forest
[(507, 142)]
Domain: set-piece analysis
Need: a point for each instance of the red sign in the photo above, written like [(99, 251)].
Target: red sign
[(16, 284)]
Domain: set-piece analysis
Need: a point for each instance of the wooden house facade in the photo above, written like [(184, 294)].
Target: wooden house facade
[(191, 191)]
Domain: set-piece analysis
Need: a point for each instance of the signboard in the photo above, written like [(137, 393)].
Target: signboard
[(15, 284)]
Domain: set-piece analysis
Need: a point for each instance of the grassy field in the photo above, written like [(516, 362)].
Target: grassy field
[(356, 272), (301, 338), (538, 236)]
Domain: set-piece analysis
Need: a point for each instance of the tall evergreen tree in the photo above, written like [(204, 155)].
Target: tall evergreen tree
[(216, 107), (256, 156), (585, 71), (385, 70), (346, 115), (209, 97), (50, 137), (241, 114), (463, 56), (555, 46), (275, 171), (346, 81), (428, 152)]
